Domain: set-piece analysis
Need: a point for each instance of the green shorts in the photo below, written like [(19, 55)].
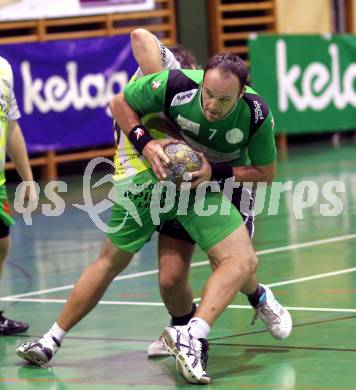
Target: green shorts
[(142, 203), (5, 207)]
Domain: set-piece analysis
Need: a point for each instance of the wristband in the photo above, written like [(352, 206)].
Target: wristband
[(220, 171), (139, 137)]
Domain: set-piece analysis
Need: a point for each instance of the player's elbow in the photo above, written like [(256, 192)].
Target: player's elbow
[(116, 104), (269, 172), (139, 36)]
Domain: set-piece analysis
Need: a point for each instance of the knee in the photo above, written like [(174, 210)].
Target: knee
[(113, 261), (252, 263), (171, 281), (248, 262), (245, 264), (106, 263)]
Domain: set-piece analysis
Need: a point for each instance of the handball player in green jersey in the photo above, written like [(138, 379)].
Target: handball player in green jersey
[(175, 258), (140, 161)]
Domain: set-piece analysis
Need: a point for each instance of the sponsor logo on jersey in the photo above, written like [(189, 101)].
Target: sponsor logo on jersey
[(258, 111), (186, 124), (184, 97), (156, 84), (139, 133), (234, 136)]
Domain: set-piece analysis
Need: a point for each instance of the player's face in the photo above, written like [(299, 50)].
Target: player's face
[(219, 94)]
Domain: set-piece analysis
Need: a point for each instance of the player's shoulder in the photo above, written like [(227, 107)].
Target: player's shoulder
[(6, 74), (196, 75), (5, 65), (186, 75), (251, 95), (256, 104), (182, 85)]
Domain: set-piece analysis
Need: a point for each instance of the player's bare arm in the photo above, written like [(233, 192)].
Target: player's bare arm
[(251, 174), (146, 51), (16, 148), (255, 174), (129, 121)]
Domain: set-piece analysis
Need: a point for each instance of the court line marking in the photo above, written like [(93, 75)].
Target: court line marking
[(131, 303), (205, 262)]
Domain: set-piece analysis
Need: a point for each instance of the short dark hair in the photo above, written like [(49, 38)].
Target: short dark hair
[(228, 63), (184, 57)]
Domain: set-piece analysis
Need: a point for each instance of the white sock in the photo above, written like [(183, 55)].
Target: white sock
[(198, 328), (56, 332)]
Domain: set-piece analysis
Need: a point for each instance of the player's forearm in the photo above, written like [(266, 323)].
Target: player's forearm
[(146, 51), (17, 151), (130, 123), (123, 114), (243, 173), (254, 174)]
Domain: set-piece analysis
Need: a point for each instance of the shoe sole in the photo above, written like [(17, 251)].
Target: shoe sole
[(181, 363), (32, 357)]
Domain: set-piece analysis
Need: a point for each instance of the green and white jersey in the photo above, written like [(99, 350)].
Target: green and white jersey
[(245, 136), (8, 110), (127, 161)]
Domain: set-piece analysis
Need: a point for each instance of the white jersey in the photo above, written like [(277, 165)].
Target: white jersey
[(167, 58), (9, 110)]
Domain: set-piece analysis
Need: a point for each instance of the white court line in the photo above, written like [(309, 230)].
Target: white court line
[(200, 263), (124, 303), (313, 277), (131, 303), (69, 286), (306, 278), (294, 308)]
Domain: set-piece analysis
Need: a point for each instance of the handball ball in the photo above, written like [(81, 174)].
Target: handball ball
[(182, 159)]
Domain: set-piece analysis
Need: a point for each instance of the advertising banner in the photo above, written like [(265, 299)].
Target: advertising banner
[(308, 81), (63, 89)]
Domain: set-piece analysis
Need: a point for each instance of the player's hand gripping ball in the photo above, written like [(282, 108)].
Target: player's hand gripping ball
[(182, 159)]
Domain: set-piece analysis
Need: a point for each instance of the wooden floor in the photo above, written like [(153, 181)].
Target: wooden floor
[(309, 262)]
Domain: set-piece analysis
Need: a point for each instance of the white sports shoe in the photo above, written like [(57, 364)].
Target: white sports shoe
[(276, 318), (191, 354), (38, 352), (157, 349)]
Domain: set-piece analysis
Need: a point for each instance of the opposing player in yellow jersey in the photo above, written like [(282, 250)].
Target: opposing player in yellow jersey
[(12, 142)]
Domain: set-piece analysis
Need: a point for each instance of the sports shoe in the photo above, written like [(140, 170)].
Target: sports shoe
[(157, 349), (9, 327), (276, 318), (191, 354), (39, 352)]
